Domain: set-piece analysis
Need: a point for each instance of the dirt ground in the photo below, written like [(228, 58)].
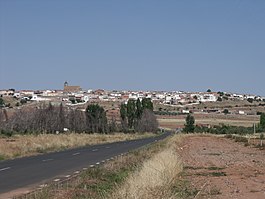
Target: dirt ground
[(220, 168)]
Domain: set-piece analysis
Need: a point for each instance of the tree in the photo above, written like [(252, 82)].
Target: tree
[(250, 100), (61, 119), (219, 99), (139, 109), (147, 104), (148, 122), (262, 121), (131, 112), (123, 114), (23, 101), (209, 91), (123, 111), (220, 93), (226, 111), (77, 121), (2, 102), (189, 126), (97, 119)]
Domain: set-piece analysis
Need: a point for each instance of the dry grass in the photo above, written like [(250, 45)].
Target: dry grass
[(19, 145), (155, 178)]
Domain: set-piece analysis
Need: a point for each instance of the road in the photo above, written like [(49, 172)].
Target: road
[(32, 171)]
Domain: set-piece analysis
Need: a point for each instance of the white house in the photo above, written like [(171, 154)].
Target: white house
[(186, 111), (241, 112), (207, 97), (39, 98)]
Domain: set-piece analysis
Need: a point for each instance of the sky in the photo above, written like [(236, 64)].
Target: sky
[(184, 45)]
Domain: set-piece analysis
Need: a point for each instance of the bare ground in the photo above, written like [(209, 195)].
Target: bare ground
[(220, 168)]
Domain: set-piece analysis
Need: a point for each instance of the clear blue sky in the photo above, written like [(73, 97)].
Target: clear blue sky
[(138, 44)]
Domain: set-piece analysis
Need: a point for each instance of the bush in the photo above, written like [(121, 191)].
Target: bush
[(6, 133), (23, 101), (250, 100), (226, 111)]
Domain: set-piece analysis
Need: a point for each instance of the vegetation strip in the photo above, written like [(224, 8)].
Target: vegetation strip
[(155, 178)]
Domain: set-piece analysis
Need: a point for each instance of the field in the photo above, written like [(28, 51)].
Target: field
[(208, 119), (219, 168)]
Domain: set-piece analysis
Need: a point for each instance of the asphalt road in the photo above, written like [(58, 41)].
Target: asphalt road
[(36, 170)]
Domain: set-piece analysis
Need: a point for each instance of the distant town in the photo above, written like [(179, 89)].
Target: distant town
[(74, 95)]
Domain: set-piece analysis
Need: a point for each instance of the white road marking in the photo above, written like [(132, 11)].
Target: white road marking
[(91, 166), (47, 160), (67, 176), (94, 150), (103, 161), (107, 147), (97, 163), (5, 169), (76, 154), (77, 172), (84, 168), (56, 180)]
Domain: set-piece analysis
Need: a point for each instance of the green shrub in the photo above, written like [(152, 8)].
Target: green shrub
[(6, 133)]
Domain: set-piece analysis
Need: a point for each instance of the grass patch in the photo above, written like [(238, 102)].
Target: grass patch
[(2, 157), (215, 168), (98, 182), (183, 189), (214, 154), (193, 168), (218, 174), (213, 174)]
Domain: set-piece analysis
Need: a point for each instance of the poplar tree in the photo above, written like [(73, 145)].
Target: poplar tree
[(131, 112), (139, 109)]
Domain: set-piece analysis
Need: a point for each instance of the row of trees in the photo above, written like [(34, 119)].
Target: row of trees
[(138, 116), (52, 119)]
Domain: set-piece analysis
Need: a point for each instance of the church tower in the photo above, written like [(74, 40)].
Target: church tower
[(65, 84)]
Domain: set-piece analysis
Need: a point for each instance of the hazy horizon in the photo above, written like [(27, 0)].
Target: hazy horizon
[(133, 45)]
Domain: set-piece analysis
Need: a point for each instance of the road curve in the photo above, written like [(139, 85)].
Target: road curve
[(36, 170)]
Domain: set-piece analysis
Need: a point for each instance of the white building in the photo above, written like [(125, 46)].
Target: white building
[(207, 97), (39, 98)]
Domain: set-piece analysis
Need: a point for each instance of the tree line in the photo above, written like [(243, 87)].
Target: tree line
[(54, 119)]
